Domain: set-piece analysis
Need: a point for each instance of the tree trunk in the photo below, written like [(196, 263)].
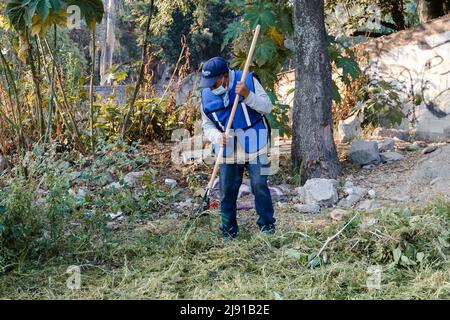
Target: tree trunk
[(313, 148), (430, 9)]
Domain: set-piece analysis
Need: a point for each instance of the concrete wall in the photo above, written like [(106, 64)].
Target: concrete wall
[(417, 61)]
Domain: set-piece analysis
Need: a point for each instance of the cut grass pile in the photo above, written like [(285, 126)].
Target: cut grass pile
[(187, 259)]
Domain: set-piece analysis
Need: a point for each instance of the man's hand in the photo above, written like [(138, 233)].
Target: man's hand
[(242, 90), (222, 140)]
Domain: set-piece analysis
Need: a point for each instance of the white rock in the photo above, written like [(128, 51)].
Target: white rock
[(281, 204), (368, 222), (307, 208), (114, 186), (112, 225), (287, 189), (276, 193), (187, 204), (372, 193), (433, 182), (216, 184), (349, 184), (170, 182), (358, 191), (116, 216), (349, 201), (390, 133), (391, 156), (349, 129), (194, 156), (429, 149), (72, 193), (364, 152), (81, 194), (368, 204), (400, 198), (321, 191), (301, 194), (244, 190)]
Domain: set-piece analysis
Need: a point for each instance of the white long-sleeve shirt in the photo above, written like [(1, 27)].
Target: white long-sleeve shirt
[(258, 101)]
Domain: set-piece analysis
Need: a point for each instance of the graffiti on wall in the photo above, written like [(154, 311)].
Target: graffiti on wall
[(419, 67)]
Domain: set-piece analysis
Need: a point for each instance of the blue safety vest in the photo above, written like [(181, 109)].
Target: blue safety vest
[(250, 127)]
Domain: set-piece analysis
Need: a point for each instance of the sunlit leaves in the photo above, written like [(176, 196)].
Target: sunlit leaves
[(40, 26), (350, 69), (38, 15), (92, 11)]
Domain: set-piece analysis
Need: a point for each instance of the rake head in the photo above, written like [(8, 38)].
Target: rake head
[(204, 205)]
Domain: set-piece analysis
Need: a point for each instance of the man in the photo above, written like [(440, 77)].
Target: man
[(247, 145)]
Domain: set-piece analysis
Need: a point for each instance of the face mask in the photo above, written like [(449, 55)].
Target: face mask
[(220, 90)]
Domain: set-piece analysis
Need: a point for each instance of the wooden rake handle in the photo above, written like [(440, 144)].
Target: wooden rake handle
[(235, 104)]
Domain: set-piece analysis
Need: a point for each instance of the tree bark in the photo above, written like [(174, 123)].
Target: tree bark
[(430, 9), (313, 148)]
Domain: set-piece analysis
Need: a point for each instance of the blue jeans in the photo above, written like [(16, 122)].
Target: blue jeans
[(230, 181)]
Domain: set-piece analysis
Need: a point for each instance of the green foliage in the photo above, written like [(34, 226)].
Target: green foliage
[(153, 118), (279, 117), (378, 102), (275, 18), (64, 208), (22, 12), (20, 223), (346, 67), (196, 20), (270, 53), (188, 259)]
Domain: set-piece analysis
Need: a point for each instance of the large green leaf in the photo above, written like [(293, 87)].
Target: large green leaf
[(284, 22), (265, 50), (21, 12), (43, 9), (349, 68), (234, 30)]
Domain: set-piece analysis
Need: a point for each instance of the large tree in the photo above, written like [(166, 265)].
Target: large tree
[(313, 148), (430, 9)]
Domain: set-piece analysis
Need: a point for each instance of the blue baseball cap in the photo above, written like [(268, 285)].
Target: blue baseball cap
[(212, 70)]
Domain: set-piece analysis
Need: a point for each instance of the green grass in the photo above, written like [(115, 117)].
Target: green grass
[(182, 259)]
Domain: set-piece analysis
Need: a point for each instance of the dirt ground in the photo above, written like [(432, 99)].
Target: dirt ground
[(413, 182), (417, 179)]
